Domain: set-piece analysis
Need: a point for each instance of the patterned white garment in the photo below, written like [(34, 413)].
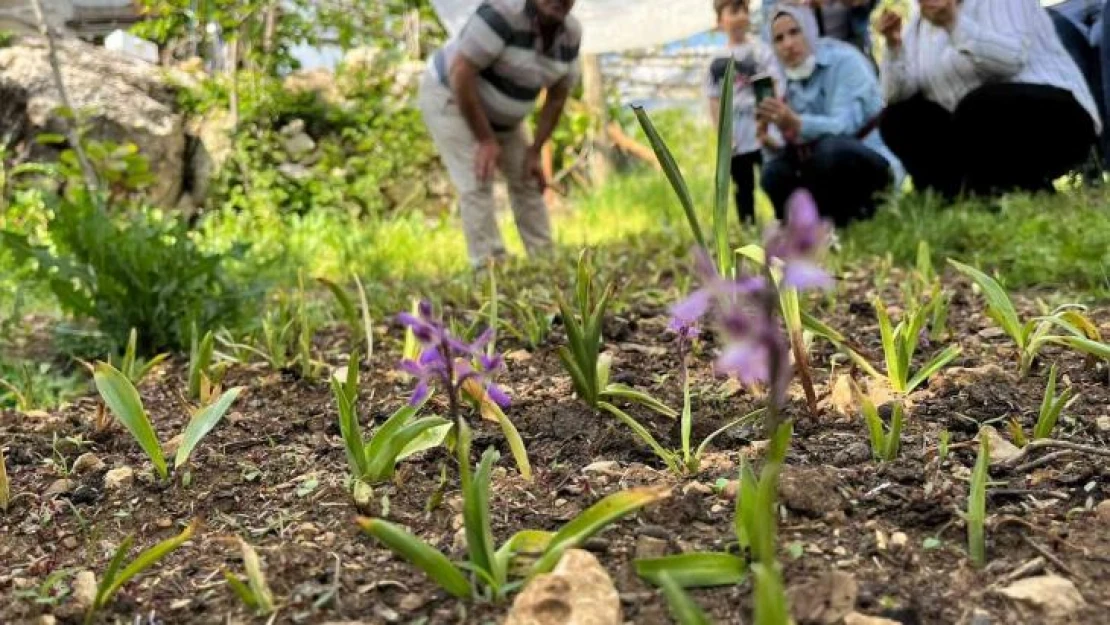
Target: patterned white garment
[(993, 41)]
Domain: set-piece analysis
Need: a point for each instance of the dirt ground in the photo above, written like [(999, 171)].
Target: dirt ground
[(273, 472)]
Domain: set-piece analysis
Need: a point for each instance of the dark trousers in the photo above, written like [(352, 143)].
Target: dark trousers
[(743, 176), (1002, 137), (1083, 40), (842, 173)]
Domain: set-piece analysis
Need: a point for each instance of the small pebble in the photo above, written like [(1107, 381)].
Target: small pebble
[(697, 487), (164, 523), (899, 540), (70, 542)]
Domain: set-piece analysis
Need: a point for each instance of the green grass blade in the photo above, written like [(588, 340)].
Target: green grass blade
[(241, 590), (476, 518), (977, 504), (891, 353), (626, 392), (770, 597), (682, 606), (667, 457), (933, 366), (5, 485), (414, 437), (367, 322), (873, 420), (377, 458), (147, 559), (673, 173), (893, 440), (260, 590), (130, 356), (577, 377), (596, 518), (349, 431), (202, 423), (123, 400), (200, 358), (823, 330), (746, 500), (418, 553), (525, 542), (422, 435), (999, 305), (724, 173), (1087, 346), (694, 570), (110, 574), (512, 436), (748, 418)]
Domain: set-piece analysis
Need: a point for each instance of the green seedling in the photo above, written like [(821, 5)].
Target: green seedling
[(683, 608), (531, 323), (1066, 326), (885, 441), (942, 445), (771, 605), (582, 358), (204, 374), (1051, 407), (121, 397), (754, 525), (976, 516), (255, 593), (357, 318), (900, 344), (135, 368), (493, 569), (5, 484), (374, 460), (114, 579)]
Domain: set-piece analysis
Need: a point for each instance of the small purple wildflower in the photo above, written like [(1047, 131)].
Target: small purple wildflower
[(798, 243), (449, 361), (746, 309)]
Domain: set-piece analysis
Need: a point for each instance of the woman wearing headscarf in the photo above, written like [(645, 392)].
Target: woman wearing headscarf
[(825, 136), (846, 20), (984, 98)]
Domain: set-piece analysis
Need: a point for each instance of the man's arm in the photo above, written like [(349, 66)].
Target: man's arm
[(464, 83), (552, 110)]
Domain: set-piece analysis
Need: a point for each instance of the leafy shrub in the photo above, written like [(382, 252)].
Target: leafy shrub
[(133, 268)]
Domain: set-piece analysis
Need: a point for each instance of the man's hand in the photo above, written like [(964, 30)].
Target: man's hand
[(486, 158), (777, 112), (533, 166), (890, 27)]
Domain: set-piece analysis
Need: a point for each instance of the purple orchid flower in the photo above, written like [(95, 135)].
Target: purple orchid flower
[(798, 243), (449, 361)]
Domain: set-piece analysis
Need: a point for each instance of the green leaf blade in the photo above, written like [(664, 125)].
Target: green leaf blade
[(203, 422), (123, 399), (694, 570), (418, 553)]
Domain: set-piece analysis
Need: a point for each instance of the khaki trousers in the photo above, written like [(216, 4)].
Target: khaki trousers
[(457, 146)]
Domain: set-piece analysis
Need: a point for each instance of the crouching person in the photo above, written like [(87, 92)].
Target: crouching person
[(823, 135), (474, 97)]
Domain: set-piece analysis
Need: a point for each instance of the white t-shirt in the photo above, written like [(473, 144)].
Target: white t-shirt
[(753, 58)]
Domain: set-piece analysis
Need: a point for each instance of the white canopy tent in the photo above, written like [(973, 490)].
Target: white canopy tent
[(615, 25)]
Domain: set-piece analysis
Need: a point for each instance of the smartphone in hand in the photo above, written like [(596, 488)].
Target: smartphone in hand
[(764, 87)]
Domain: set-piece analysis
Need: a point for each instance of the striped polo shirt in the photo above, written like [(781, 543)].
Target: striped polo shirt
[(503, 40), (993, 41)]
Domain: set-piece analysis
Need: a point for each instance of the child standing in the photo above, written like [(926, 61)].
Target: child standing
[(752, 58)]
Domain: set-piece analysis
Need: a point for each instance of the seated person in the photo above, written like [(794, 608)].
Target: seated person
[(984, 98), (846, 20), (827, 140), (1082, 26)]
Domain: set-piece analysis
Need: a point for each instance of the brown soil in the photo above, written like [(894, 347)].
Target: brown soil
[(274, 473)]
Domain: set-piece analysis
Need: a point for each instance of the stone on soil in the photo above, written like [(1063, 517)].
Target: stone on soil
[(825, 600), (87, 463), (1002, 450), (578, 592), (84, 590), (855, 618), (119, 478), (811, 490), (1054, 597)]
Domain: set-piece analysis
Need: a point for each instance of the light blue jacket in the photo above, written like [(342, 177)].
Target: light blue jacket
[(840, 98)]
